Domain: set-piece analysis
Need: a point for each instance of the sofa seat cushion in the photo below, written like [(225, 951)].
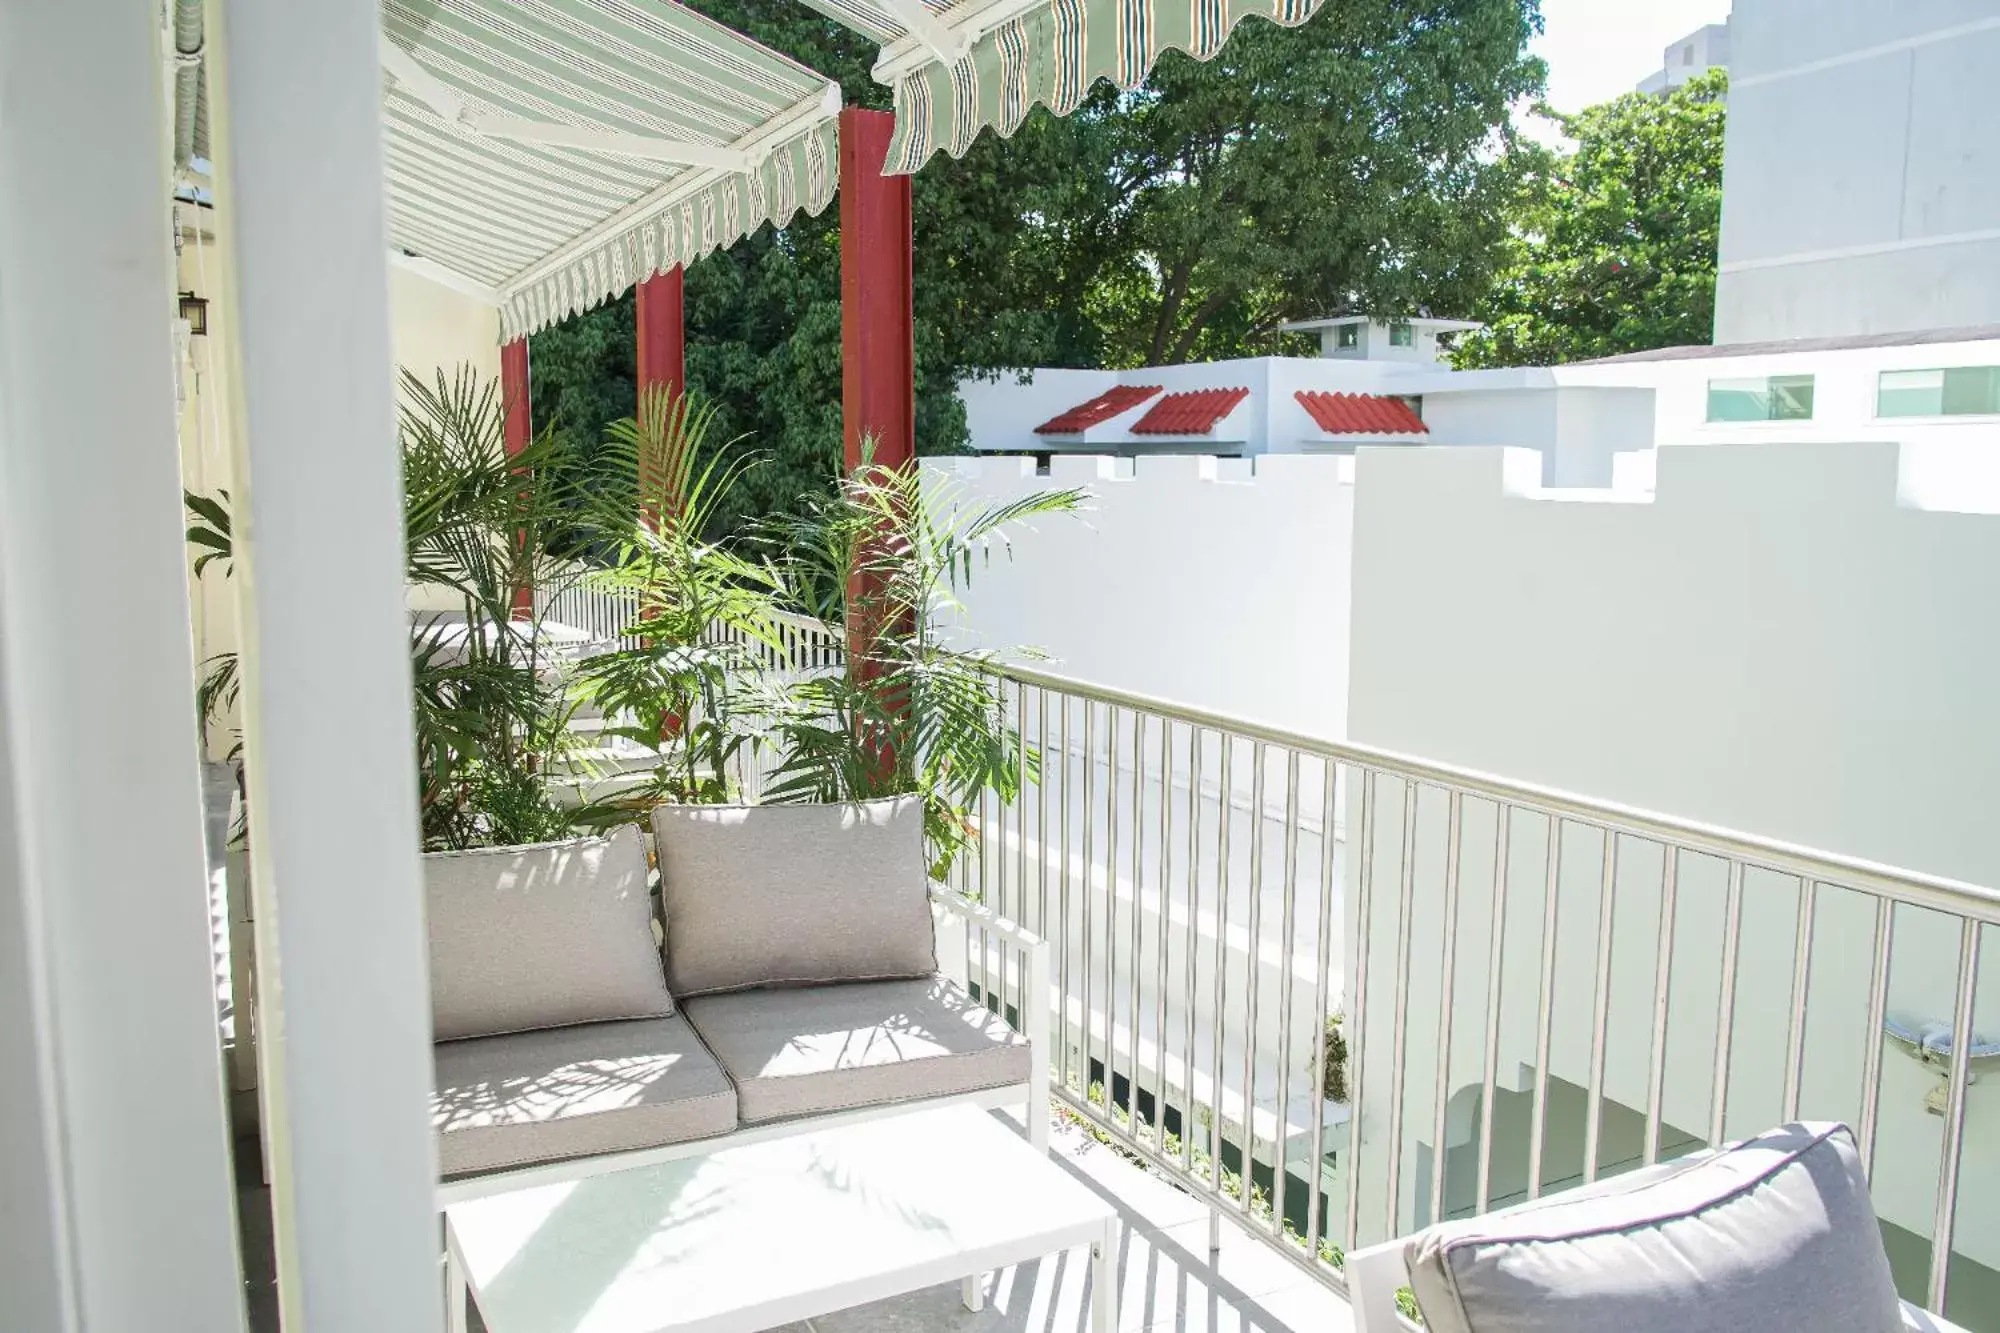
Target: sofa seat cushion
[(542, 936), (575, 1092), (794, 895), (1774, 1232), (815, 1049)]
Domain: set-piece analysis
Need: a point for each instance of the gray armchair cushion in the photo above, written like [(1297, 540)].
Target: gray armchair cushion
[(812, 1050), (793, 895), (575, 1092), (1776, 1232), (542, 936)]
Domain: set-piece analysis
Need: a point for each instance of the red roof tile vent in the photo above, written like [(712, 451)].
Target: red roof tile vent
[(1114, 400), (1360, 413), (1194, 413)]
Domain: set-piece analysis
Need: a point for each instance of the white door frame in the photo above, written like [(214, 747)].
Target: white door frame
[(344, 1045), (114, 1145)]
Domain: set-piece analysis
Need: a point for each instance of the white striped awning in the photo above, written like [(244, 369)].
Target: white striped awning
[(958, 66), (559, 151)]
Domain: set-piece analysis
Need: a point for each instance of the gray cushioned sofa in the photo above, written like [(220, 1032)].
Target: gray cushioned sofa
[(784, 977), (1776, 1233)]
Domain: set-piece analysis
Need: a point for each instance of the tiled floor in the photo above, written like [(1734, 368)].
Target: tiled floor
[(1168, 1278)]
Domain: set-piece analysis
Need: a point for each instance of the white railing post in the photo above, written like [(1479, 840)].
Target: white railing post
[(343, 992)]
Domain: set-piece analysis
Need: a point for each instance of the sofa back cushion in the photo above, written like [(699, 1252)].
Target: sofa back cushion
[(1774, 1232), (793, 895), (542, 936)]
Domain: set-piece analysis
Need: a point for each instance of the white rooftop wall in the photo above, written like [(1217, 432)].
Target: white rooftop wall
[(1223, 582), (1792, 639)]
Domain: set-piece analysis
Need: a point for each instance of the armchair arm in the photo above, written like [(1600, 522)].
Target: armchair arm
[(1034, 999)]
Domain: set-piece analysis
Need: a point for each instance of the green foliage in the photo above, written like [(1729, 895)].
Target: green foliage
[(1333, 1068), (880, 558), (1616, 250), (684, 692), (1360, 160)]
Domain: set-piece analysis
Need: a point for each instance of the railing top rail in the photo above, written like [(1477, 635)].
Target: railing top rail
[(1934, 891)]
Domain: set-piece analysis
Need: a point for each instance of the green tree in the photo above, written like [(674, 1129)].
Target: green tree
[(1616, 251), (1363, 159)]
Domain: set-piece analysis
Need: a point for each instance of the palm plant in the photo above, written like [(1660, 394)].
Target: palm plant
[(881, 557), (492, 702), (690, 690)]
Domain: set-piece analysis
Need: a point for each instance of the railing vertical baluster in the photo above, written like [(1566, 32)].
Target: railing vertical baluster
[(1871, 1058), (1795, 1031), (1593, 1125), (1957, 1081), (1288, 921), (1538, 1117), (1132, 1075), (1725, 1009), (1161, 956), (1447, 982), (1400, 1033), (1254, 970), (1503, 819), (1188, 962), (1111, 918), (1322, 965), (1220, 1013), (1357, 1009), (1663, 970), (1062, 838), (1089, 874), (1042, 817), (1021, 828)]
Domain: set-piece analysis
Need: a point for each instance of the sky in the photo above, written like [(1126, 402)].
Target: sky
[(1597, 49)]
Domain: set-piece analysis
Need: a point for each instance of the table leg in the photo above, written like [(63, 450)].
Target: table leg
[(1104, 1281), (456, 1296), (972, 1292)]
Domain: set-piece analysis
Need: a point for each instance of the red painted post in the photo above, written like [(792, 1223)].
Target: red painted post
[(877, 353), (662, 332), (517, 427), (877, 348)]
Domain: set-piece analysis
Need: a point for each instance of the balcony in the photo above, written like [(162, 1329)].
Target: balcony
[(1535, 990)]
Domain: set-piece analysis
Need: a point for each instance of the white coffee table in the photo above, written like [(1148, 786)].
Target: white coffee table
[(765, 1234)]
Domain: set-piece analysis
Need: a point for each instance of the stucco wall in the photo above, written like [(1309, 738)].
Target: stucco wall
[(1783, 639), (1219, 581), (435, 327)]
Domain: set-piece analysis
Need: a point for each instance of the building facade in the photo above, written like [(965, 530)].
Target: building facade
[(1862, 170)]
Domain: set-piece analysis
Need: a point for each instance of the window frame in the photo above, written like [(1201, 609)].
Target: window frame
[(1402, 333), (1943, 410), (1769, 388)]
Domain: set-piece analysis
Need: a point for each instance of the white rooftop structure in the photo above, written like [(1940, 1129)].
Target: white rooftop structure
[(1376, 338), (1702, 50)]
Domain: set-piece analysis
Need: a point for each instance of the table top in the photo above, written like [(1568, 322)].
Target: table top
[(772, 1232)]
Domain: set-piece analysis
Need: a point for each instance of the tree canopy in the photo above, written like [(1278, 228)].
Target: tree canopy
[(1615, 249), (1364, 160)]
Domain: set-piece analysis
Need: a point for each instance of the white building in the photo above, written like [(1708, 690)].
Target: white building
[(1862, 170), (1910, 388), (1702, 50)]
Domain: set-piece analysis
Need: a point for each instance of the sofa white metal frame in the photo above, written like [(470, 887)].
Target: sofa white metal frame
[(1034, 1024)]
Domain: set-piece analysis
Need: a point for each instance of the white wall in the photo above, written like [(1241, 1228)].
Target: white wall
[(1862, 178), (434, 327), (1772, 642), (1222, 582)]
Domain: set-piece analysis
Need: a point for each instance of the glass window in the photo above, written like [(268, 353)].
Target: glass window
[(1349, 335), (1957, 392), (1687, 55), (1402, 335), (1776, 398)]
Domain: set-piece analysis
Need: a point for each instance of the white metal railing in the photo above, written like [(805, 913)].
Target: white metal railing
[(1510, 955), (1538, 988), (604, 614)]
